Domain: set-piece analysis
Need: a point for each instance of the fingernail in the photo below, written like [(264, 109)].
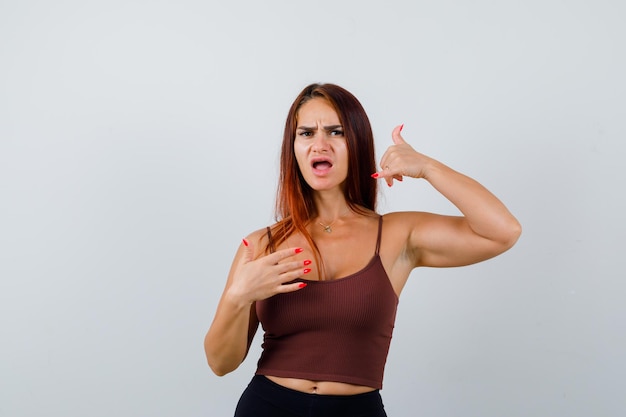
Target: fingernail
[(390, 184), (401, 127), (307, 262), (302, 285), (375, 175), (245, 242), (298, 250), (307, 270)]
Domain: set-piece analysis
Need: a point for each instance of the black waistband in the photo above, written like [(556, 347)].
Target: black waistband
[(301, 403)]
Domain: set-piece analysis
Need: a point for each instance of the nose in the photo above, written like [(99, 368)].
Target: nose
[(320, 142)]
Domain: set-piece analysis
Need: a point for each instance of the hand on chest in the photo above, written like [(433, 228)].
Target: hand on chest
[(343, 253)]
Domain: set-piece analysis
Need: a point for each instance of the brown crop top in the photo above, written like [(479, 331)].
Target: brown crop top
[(337, 330)]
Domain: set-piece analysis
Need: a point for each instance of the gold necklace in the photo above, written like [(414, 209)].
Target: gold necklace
[(327, 227)]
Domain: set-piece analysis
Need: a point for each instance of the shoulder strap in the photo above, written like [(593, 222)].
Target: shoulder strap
[(380, 231), (271, 242)]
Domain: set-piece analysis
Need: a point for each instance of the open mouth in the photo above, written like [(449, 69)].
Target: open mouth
[(321, 164)]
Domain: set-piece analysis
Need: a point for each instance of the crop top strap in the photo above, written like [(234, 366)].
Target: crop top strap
[(270, 240), (380, 231)]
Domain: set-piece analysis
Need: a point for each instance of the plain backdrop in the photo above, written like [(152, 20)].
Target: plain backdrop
[(139, 143)]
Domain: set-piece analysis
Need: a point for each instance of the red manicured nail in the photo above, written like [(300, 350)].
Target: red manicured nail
[(401, 127), (375, 175), (298, 250), (307, 270), (302, 285), (307, 262), (245, 242)]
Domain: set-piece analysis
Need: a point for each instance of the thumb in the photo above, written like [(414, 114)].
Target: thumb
[(395, 135), (249, 251)]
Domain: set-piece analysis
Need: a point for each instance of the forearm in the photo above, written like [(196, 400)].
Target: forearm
[(226, 342), (485, 214)]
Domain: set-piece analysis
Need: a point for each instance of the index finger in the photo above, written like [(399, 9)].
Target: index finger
[(279, 255)]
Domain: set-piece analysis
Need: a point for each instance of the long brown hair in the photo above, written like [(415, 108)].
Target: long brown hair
[(294, 200)]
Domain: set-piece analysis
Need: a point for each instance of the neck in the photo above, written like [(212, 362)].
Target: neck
[(328, 225), (330, 208)]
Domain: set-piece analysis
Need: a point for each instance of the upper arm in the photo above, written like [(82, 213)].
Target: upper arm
[(245, 324), (437, 240)]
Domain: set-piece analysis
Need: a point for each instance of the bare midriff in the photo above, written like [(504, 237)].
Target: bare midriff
[(320, 387)]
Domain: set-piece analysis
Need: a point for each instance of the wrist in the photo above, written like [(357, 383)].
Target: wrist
[(236, 301), (431, 169)]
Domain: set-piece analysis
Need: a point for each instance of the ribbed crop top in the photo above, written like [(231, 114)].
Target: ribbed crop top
[(336, 330)]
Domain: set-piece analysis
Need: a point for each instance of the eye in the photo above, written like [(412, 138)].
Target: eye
[(336, 132), (305, 133)]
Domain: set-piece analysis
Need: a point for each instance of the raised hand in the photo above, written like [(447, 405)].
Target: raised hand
[(400, 160)]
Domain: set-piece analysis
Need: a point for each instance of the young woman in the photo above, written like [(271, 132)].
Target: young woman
[(324, 280)]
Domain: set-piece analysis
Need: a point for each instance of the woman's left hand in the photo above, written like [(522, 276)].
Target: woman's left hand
[(401, 160), (485, 229)]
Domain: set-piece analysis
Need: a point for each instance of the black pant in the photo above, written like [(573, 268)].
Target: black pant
[(265, 398)]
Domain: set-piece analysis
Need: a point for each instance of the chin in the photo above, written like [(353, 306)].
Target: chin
[(326, 187)]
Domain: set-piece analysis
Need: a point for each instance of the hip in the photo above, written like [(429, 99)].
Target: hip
[(265, 398)]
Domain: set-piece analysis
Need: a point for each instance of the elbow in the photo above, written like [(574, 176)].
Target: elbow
[(221, 361), (220, 369), (513, 232), (222, 364)]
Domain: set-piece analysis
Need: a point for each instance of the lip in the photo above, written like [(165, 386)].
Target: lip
[(320, 172)]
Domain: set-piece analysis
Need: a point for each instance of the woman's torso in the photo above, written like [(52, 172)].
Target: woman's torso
[(359, 234)]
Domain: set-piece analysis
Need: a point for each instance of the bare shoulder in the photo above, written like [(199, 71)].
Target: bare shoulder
[(397, 255), (418, 229), (258, 236), (259, 240), (398, 229), (403, 222), (405, 231), (412, 220)]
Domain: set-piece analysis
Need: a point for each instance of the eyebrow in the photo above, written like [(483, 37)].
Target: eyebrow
[(331, 127)]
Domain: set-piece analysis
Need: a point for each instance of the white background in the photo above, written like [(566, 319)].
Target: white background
[(139, 143)]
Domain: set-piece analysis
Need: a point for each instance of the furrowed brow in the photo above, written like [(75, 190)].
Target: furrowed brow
[(312, 129)]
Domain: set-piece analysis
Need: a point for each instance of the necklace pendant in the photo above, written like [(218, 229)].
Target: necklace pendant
[(327, 229)]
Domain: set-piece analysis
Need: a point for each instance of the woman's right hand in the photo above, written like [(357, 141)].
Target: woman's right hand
[(261, 278), (227, 342)]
